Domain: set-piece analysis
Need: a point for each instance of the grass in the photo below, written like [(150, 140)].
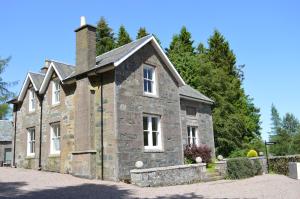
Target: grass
[(211, 167)]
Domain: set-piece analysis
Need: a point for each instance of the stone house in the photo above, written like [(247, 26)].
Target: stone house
[(97, 118), (6, 131)]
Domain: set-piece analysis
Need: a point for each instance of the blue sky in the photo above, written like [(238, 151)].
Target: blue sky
[(263, 34)]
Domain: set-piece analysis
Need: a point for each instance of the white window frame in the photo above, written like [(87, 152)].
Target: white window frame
[(190, 136), (30, 141), (56, 92), (150, 133), (31, 101), (55, 136), (153, 80)]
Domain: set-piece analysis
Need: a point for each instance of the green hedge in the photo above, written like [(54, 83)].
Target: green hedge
[(239, 168), (280, 164)]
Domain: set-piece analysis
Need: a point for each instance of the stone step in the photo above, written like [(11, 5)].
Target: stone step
[(212, 174), (214, 178)]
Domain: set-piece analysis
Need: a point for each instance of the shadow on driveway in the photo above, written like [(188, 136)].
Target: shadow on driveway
[(84, 191)]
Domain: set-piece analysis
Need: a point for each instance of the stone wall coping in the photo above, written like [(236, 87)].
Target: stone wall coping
[(83, 152), (220, 162), (167, 168)]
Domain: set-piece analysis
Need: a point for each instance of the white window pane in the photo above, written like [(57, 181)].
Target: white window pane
[(150, 74), (149, 86), (145, 86), (155, 138), (154, 124), (146, 142)]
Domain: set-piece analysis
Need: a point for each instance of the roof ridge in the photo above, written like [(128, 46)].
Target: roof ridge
[(150, 35), (53, 60), (37, 73)]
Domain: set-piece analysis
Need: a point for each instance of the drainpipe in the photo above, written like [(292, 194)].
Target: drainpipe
[(41, 98), (15, 134), (102, 147)]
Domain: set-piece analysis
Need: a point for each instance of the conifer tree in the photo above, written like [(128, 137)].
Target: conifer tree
[(142, 33), (213, 72), (104, 37), (5, 93), (123, 36)]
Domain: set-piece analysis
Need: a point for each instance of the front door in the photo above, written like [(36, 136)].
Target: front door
[(7, 156)]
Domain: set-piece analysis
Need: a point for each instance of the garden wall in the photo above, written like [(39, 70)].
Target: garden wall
[(166, 176)]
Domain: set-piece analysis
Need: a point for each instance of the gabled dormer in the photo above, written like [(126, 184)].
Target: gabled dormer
[(31, 88), (56, 73)]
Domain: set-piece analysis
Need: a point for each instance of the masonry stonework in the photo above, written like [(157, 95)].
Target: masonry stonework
[(132, 104), (202, 120)]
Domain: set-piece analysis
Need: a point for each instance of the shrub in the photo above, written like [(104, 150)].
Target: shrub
[(252, 153), (257, 168), (238, 153), (239, 168), (203, 151), (280, 164)]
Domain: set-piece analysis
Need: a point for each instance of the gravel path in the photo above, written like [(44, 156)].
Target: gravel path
[(21, 183)]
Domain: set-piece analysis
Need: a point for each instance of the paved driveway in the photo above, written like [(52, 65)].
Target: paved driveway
[(21, 183)]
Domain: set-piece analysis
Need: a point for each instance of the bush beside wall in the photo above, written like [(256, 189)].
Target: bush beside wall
[(280, 164), (239, 168)]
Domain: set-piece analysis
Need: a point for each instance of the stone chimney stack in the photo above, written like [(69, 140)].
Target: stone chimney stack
[(85, 46), (44, 69)]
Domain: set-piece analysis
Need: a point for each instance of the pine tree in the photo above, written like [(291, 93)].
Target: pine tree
[(141, 33), (5, 94), (290, 123), (276, 120), (181, 54), (123, 37), (104, 37)]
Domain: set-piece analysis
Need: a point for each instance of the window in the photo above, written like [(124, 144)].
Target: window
[(30, 141), (55, 138), (152, 134), (55, 92), (191, 111), (149, 80), (192, 135), (31, 100)]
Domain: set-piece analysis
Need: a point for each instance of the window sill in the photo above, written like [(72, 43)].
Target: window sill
[(150, 95), (31, 156), (55, 105), (54, 155), (153, 151), (31, 112)]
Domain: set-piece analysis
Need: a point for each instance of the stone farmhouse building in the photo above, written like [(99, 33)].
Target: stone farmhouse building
[(97, 118), (6, 131)]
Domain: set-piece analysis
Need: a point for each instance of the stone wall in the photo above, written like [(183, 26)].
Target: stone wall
[(132, 104), (202, 120), (166, 176), (25, 120), (62, 113)]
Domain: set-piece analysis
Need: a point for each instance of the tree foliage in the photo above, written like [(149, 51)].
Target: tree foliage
[(142, 32), (5, 93), (123, 37), (105, 40), (285, 132), (213, 72)]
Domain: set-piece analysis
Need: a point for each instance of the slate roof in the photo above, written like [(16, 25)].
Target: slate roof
[(115, 55), (64, 69), (6, 130), (189, 92), (37, 79)]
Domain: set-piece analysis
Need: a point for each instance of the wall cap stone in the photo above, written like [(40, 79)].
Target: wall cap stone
[(167, 168)]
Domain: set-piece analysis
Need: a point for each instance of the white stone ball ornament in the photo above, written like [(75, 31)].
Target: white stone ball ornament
[(139, 164), (220, 157), (198, 159)]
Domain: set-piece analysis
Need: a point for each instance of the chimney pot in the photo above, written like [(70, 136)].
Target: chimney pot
[(82, 21)]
